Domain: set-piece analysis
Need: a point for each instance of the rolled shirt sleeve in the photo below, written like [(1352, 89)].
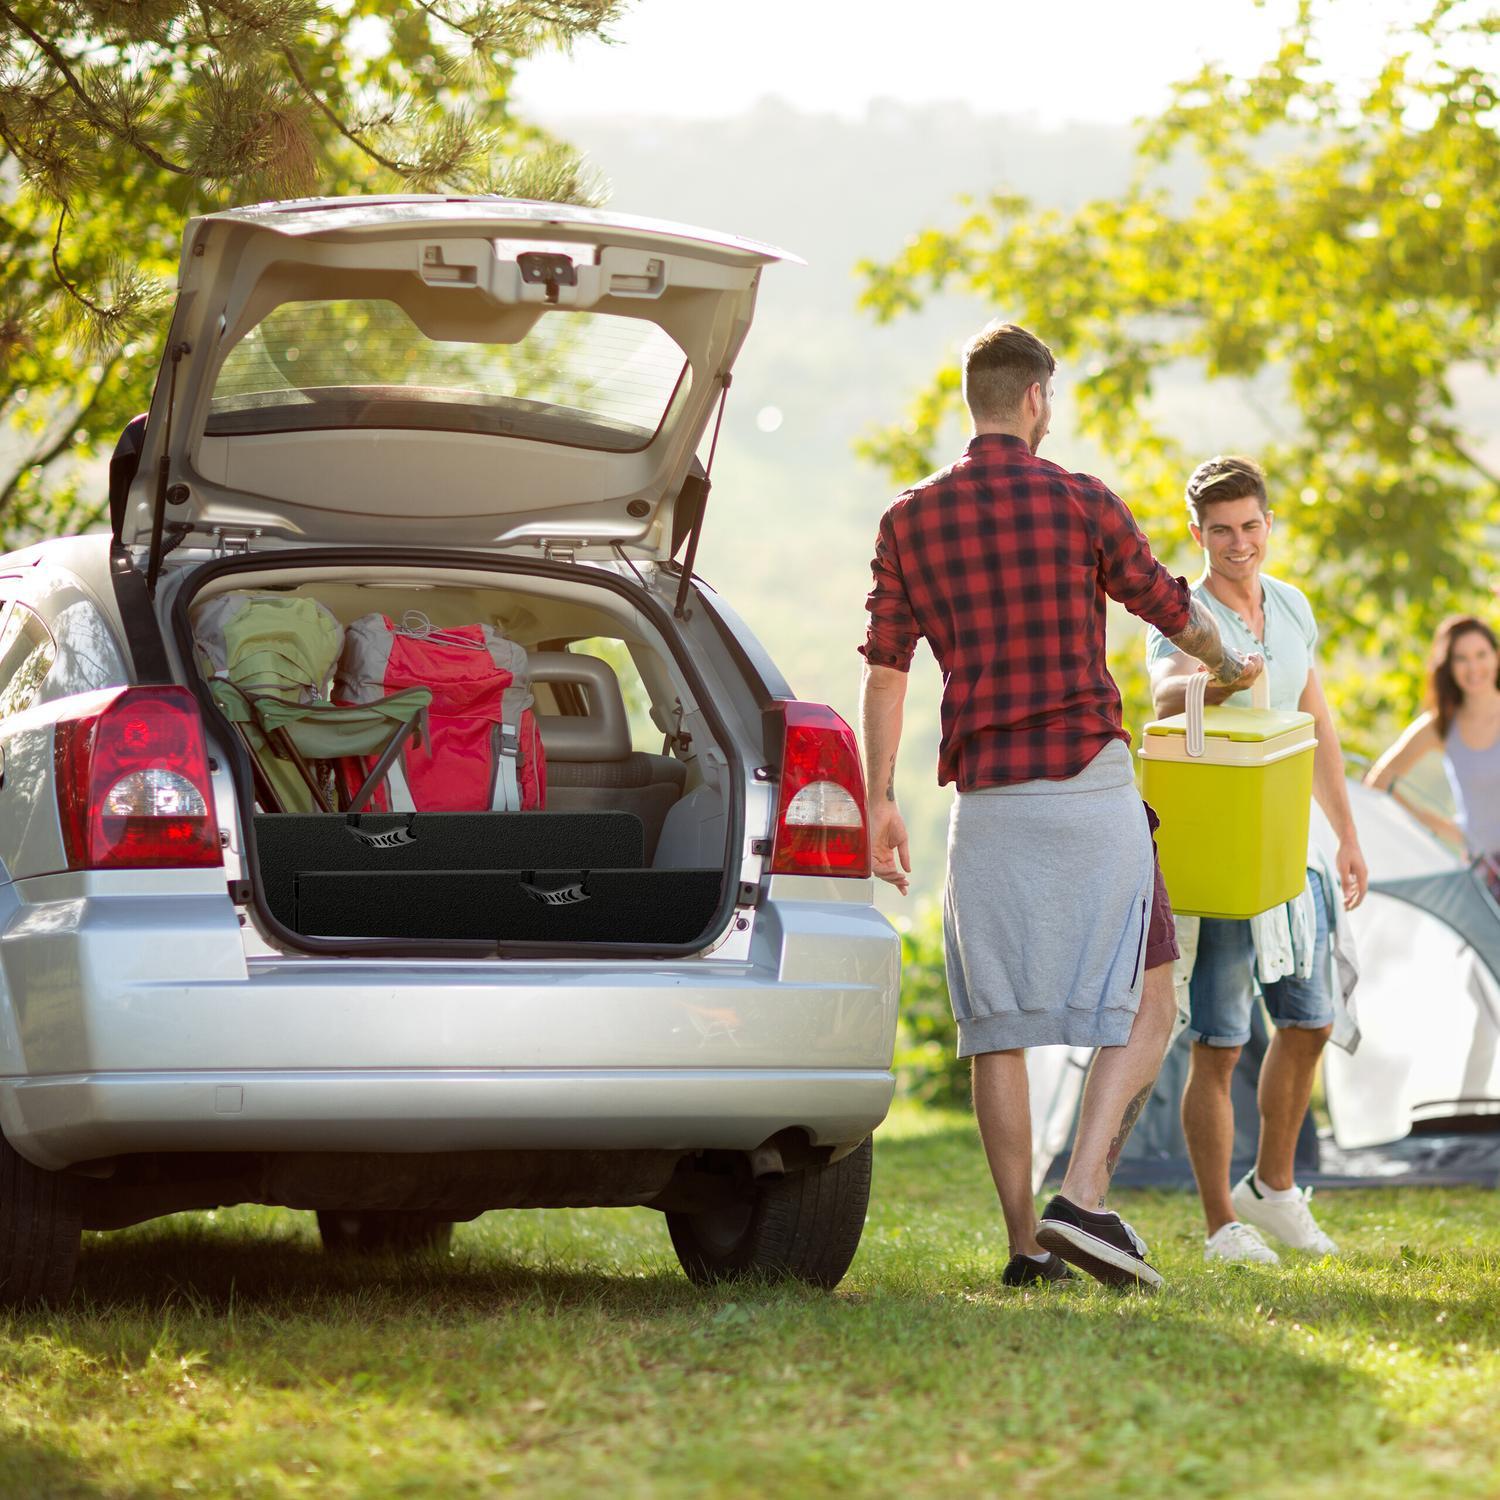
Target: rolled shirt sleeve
[(1132, 576), (891, 636)]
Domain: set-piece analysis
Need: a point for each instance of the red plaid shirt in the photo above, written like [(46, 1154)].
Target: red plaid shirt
[(1002, 563)]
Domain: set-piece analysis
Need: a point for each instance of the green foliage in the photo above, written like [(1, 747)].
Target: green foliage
[(928, 1068), (1341, 261), (120, 120)]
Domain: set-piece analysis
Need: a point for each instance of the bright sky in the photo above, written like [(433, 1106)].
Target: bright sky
[(1097, 60)]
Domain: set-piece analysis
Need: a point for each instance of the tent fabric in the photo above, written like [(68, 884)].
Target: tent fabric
[(1461, 900), (1429, 936), (1156, 1153)]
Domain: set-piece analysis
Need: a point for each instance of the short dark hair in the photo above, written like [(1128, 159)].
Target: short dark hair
[(1001, 363), (1230, 476)]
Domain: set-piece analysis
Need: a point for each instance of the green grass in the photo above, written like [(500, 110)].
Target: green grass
[(560, 1352)]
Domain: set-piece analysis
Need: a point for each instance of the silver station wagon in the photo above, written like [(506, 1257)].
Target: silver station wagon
[(391, 823)]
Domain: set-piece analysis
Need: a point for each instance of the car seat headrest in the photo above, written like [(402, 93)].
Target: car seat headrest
[(601, 734)]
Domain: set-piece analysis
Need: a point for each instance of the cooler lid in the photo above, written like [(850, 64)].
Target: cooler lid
[(1251, 726)]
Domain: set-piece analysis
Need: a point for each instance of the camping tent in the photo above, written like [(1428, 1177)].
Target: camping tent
[(1429, 998), (1428, 1004)]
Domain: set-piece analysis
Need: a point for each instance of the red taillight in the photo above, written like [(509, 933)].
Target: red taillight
[(133, 788), (821, 827)]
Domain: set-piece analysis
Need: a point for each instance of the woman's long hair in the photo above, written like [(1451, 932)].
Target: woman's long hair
[(1444, 696)]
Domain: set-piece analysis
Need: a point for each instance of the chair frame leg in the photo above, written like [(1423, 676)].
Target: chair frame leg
[(381, 766), (304, 770)]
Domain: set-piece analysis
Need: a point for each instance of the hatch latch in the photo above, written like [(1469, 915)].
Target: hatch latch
[(233, 541), (550, 270)]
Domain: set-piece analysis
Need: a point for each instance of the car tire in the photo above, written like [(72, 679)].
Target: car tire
[(41, 1229), (805, 1226), (383, 1232)]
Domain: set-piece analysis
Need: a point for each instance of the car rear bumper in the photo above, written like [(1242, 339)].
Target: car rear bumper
[(59, 1121), (137, 1024)]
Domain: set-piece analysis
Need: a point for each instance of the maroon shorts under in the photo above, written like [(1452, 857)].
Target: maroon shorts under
[(1161, 931)]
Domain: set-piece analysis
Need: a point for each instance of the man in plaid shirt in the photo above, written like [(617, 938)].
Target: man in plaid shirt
[(1056, 927)]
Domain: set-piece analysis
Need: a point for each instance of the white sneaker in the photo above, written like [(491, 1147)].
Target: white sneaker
[(1286, 1218), (1235, 1241)]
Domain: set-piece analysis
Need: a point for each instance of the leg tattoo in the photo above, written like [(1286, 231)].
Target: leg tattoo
[(1127, 1124)]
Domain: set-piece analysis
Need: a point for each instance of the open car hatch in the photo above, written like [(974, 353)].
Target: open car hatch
[(475, 372)]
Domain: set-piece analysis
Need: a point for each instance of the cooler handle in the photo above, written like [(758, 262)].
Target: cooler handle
[(1260, 697)]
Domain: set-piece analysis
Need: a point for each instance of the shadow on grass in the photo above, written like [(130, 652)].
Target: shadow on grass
[(205, 1274), (285, 1318), (213, 1273), (30, 1467)]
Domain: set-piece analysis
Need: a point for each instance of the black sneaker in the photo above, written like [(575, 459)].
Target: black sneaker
[(1104, 1245), (1035, 1270)]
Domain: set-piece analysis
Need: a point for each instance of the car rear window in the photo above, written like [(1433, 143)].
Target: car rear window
[(591, 380)]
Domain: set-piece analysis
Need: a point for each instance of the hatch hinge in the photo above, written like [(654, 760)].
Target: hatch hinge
[(233, 541), (563, 552)]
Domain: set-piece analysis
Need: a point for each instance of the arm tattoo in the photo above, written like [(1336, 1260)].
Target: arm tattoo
[(890, 785), (1200, 637), (1127, 1124)]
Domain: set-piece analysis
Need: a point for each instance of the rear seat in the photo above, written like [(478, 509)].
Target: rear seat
[(591, 765)]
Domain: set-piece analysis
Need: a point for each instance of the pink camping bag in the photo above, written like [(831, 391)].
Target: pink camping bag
[(479, 748)]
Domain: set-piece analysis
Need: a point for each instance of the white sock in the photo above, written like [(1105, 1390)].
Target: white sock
[(1271, 1194)]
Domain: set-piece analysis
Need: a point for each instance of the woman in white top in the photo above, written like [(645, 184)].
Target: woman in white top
[(1462, 722)]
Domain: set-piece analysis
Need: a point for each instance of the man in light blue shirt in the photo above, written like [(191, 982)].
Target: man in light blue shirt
[(1231, 521)]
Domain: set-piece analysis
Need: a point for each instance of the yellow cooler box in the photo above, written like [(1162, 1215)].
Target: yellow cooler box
[(1233, 789)]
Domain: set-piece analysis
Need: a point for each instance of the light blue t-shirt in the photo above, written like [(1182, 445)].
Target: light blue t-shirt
[(1290, 646)]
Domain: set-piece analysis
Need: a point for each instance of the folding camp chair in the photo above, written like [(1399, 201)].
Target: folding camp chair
[(285, 741), (269, 659)]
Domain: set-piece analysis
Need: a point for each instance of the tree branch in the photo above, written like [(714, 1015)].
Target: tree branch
[(332, 116), (58, 448), (95, 114), (437, 15), (1477, 464), (70, 287)]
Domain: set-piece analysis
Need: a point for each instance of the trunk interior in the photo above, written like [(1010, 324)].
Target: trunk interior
[(615, 831)]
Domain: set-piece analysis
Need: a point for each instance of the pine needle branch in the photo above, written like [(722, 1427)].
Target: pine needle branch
[(336, 120), (520, 26), (441, 16), (137, 297), (71, 287), (95, 115)]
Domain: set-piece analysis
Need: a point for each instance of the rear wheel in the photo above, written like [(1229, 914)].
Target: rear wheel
[(383, 1232), (805, 1225), (41, 1228)]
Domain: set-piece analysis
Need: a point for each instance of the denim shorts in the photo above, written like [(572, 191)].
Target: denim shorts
[(1222, 991)]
